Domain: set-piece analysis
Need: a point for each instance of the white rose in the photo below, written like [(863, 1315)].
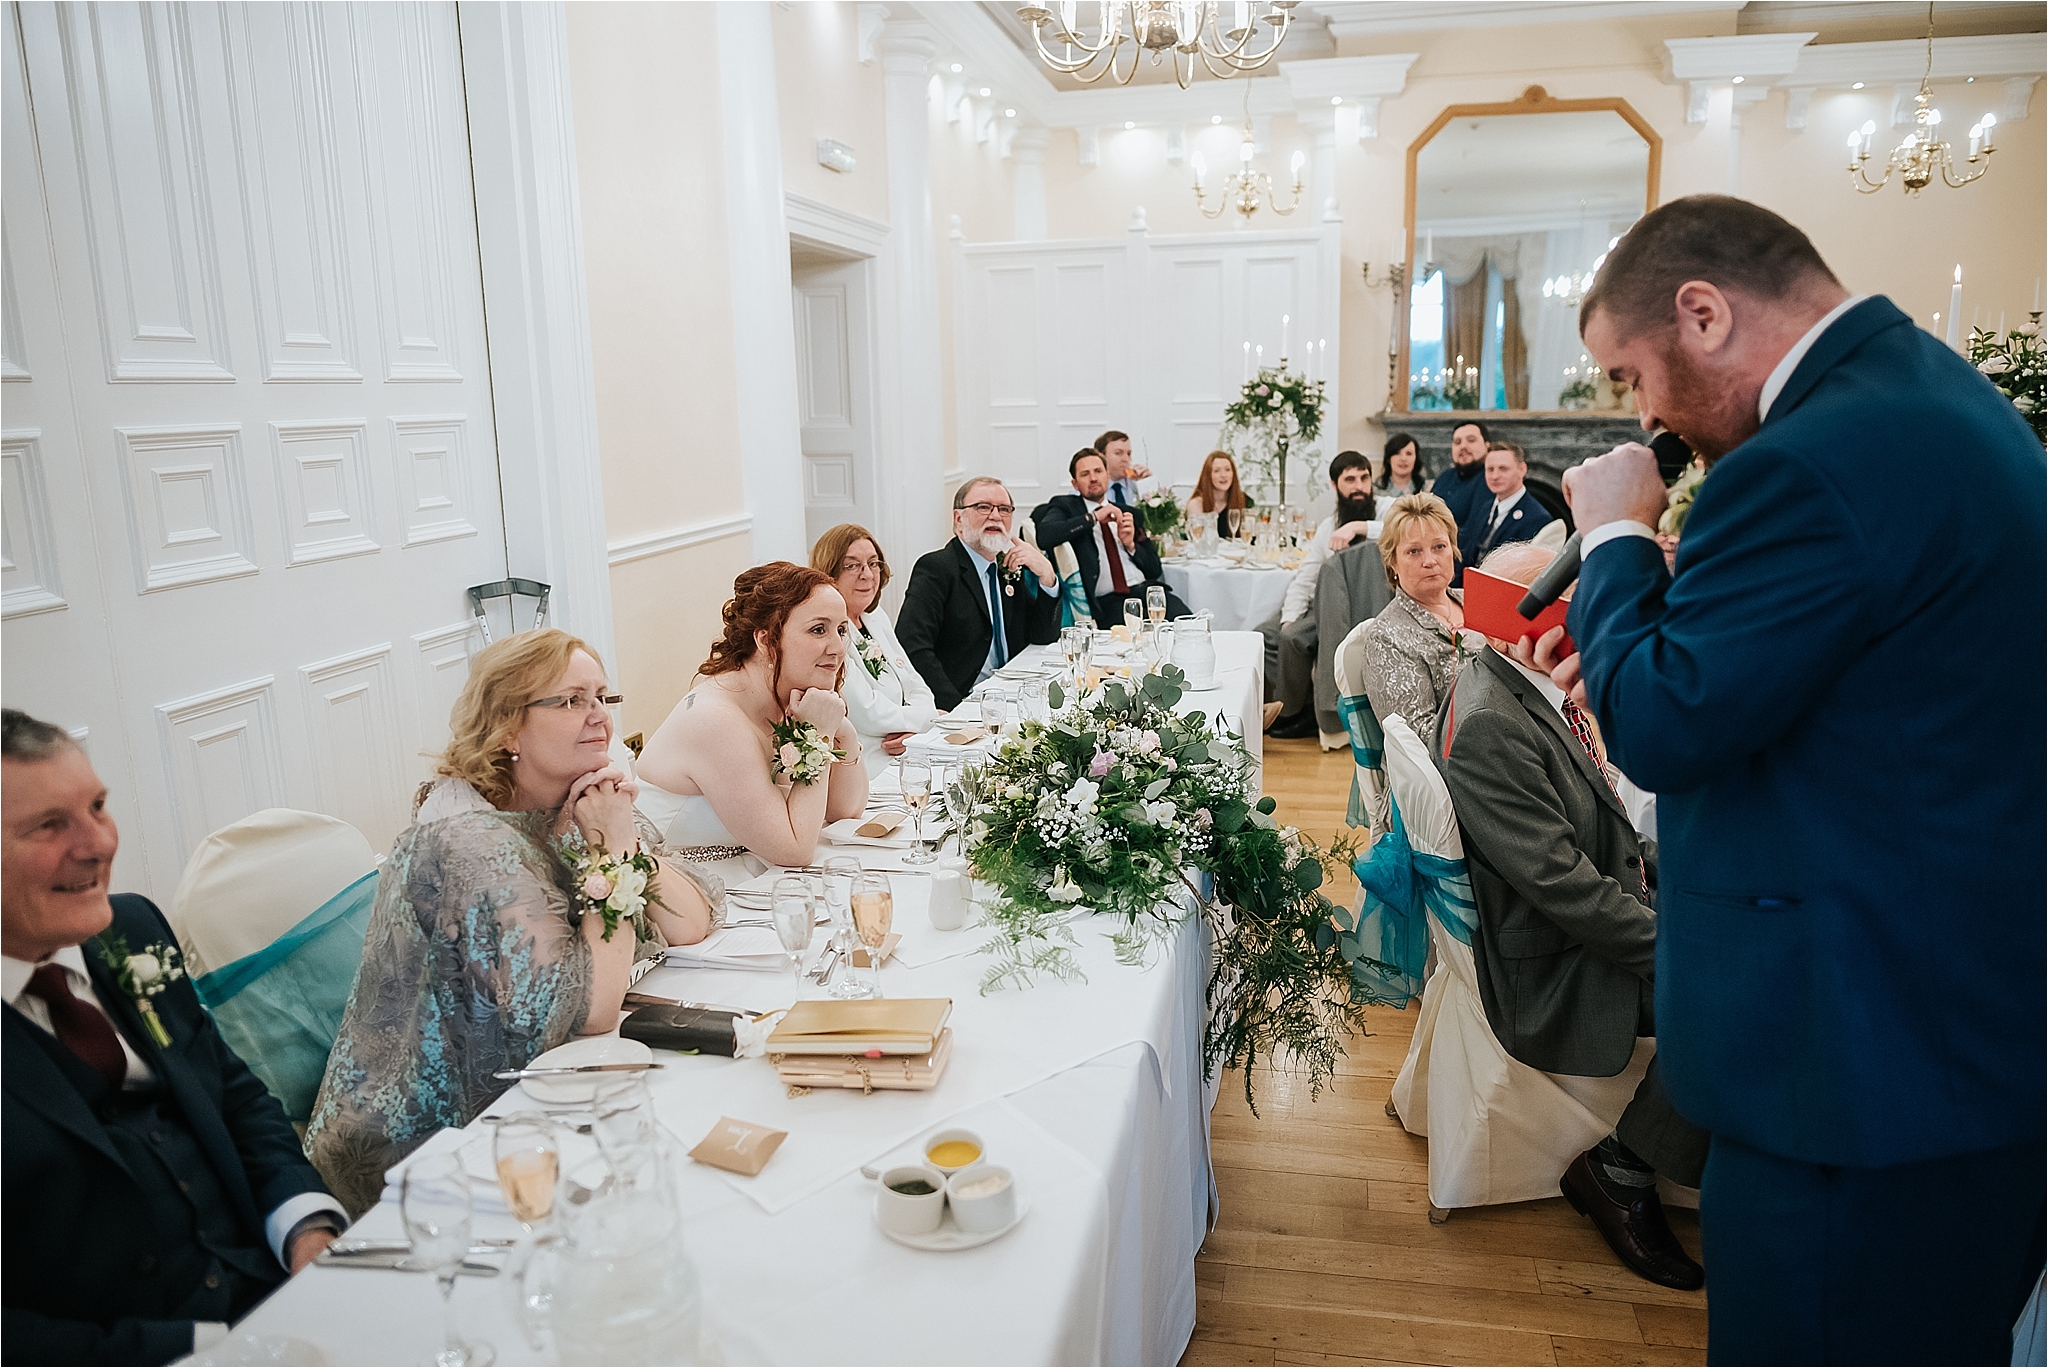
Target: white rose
[(144, 967), (1994, 365)]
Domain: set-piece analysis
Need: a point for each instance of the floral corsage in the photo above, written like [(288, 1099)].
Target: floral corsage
[(803, 754), (614, 886), (142, 976), (870, 654)]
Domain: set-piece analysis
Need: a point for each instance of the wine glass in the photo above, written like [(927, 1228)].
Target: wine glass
[(995, 715), (874, 909), (916, 778), (1155, 602), (840, 873), (1233, 518), (790, 905), (435, 1206), (1134, 615), (528, 1166)]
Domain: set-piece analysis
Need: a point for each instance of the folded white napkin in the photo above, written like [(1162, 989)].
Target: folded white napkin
[(733, 947)]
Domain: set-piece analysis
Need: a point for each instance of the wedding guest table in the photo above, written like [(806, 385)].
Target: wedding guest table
[(1238, 596), (1090, 1091)]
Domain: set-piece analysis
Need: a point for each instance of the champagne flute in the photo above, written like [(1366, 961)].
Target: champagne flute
[(791, 913), (1233, 518), (874, 909), (916, 778), (1155, 602), (528, 1166), (1134, 615), (840, 873), (435, 1205)]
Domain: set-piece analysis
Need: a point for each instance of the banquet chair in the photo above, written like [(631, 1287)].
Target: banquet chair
[(271, 914), (1367, 807), (1498, 1130), (1076, 609)]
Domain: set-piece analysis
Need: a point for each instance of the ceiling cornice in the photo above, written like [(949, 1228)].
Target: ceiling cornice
[(1990, 56), (1371, 18)]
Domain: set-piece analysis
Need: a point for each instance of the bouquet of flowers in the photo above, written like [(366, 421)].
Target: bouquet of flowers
[(613, 886), (1159, 512), (142, 976), (1108, 807), (1274, 410), (2014, 364), (803, 754)]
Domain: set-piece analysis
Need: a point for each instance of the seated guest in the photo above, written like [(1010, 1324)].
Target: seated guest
[(155, 1192), (1462, 487), (1566, 939), (982, 579), (1291, 634), (1115, 450), (1399, 474), (1117, 560), (886, 698), (1217, 491), (1410, 649), (711, 776), (481, 953), (1513, 514)]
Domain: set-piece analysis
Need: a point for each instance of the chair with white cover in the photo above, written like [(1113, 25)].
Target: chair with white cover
[(1367, 808), (271, 914), (1076, 608), (1498, 1130)]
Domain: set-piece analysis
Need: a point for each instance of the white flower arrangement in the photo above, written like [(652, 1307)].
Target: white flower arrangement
[(142, 976), (803, 754)]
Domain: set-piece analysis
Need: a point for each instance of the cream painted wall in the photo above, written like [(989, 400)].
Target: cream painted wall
[(822, 91), (970, 179), (661, 330)]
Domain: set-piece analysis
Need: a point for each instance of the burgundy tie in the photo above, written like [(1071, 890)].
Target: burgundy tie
[(1575, 718), (81, 1027), (1116, 562)]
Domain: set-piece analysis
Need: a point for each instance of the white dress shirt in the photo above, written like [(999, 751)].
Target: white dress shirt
[(1133, 576), (14, 977), (1774, 385)]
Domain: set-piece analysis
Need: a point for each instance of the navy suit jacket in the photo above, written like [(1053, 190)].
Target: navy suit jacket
[(88, 1278), (1838, 700), (1463, 494), (1523, 520), (1064, 518)]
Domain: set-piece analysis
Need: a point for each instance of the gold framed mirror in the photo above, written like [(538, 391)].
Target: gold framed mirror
[(1510, 208)]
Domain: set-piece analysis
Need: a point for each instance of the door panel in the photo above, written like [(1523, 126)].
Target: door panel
[(835, 387)]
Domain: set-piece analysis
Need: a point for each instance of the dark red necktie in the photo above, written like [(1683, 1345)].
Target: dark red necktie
[(1117, 581), (1575, 718), (80, 1027)]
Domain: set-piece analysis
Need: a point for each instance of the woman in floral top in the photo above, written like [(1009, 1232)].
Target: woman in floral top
[(887, 701), (1411, 650)]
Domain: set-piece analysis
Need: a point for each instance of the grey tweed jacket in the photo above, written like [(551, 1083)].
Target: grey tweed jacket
[(1564, 947)]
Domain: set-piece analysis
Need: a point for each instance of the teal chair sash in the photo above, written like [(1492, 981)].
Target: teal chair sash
[(1401, 888), (1367, 748), (280, 1008), (1075, 605)]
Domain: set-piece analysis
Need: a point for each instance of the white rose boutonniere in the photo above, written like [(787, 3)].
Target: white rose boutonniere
[(142, 976), (870, 654)]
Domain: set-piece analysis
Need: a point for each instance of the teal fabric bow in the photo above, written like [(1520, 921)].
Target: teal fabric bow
[(1367, 747), (1075, 606), (1401, 888)]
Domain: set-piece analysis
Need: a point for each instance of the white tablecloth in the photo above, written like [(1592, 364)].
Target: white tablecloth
[(1238, 599)]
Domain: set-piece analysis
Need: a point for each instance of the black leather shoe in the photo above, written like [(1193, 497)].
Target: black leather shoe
[(1294, 728), (1635, 1230)]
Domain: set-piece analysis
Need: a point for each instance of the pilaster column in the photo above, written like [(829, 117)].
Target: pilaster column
[(914, 473), (1321, 119), (1027, 150)]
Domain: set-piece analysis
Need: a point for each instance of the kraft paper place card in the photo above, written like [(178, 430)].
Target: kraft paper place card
[(889, 944), (738, 1146), (965, 736), (881, 824)]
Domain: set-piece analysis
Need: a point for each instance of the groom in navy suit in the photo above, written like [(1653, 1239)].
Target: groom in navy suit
[(1837, 698)]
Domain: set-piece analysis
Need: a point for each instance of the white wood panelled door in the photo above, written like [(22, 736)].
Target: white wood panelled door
[(835, 391), (250, 458)]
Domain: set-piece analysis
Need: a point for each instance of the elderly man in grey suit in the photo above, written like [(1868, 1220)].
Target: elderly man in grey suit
[(1566, 938)]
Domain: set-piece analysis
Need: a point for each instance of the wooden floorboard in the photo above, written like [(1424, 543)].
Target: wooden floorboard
[(1323, 1252)]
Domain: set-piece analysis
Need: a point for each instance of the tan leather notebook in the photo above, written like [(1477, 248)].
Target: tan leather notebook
[(891, 1026)]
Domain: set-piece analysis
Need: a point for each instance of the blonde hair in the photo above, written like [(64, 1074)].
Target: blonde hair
[(831, 547), (1406, 512), (486, 720)]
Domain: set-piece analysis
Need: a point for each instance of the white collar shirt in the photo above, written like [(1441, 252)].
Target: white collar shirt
[(1104, 584), (981, 569), (14, 977), (1774, 383)]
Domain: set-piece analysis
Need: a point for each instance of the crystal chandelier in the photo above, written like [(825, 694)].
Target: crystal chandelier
[(1924, 154), (1187, 30), (1243, 188), (1570, 290)]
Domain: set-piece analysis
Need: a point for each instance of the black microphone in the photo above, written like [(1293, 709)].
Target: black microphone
[(1673, 456)]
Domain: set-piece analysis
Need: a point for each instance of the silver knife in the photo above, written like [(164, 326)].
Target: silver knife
[(402, 1262), (346, 1248), (576, 1069)]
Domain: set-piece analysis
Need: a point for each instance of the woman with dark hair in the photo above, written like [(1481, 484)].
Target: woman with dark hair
[(1398, 473), (714, 778), (1217, 491), (886, 697)]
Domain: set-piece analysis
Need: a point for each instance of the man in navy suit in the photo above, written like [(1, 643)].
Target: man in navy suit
[(1117, 560), (1512, 514), (154, 1192), (1460, 485), (1837, 698)]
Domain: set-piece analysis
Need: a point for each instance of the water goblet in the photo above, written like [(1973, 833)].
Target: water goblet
[(1134, 615), (435, 1206), (529, 1165), (791, 912), (874, 910), (1034, 701), (916, 778)]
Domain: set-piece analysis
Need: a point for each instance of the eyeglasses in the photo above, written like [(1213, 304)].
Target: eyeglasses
[(578, 702), (987, 508), (873, 567)]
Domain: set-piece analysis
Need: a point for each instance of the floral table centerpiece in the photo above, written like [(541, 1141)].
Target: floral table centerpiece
[(1108, 807), (1159, 513), (2014, 363), (1275, 409)]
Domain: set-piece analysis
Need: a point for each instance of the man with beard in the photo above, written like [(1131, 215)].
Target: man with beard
[(1838, 701), (979, 599), (1463, 486), (1291, 636)]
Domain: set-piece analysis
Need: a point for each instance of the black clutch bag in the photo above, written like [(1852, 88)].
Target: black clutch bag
[(693, 1030)]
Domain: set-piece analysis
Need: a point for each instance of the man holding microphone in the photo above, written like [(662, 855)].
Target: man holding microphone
[(1838, 699)]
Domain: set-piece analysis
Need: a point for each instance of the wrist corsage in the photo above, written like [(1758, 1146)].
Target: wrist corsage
[(870, 655), (613, 886), (802, 753), (142, 976)]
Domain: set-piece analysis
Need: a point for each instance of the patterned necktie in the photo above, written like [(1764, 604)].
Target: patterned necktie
[(1117, 581), (1575, 718), (80, 1026), (995, 616)]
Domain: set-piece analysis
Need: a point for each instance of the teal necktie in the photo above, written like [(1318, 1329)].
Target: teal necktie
[(995, 616)]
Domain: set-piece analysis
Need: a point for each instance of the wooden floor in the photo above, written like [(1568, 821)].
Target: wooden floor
[(1324, 1253)]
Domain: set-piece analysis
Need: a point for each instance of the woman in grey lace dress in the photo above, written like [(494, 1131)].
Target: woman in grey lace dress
[(1410, 650), (477, 957)]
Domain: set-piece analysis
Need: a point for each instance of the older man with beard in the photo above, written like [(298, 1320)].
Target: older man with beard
[(1838, 701), (1291, 635), (979, 599)]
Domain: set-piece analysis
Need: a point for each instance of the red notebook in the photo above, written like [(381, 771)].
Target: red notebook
[(1490, 609)]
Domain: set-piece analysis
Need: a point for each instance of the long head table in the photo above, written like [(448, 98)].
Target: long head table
[(1091, 1092)]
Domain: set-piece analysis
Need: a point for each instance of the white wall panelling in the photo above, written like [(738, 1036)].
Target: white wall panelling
[(13, 345), (358, 755), (188, 504), (324, 493), (433, 476), (440, 667), (30, 579), (223, 756), (1057, 341)]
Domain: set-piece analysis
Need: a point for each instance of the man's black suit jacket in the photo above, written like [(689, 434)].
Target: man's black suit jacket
[(1064, 518), (944, 625), (86, 1277)]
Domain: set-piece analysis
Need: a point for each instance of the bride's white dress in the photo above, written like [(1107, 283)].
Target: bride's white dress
[(693, 832)]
